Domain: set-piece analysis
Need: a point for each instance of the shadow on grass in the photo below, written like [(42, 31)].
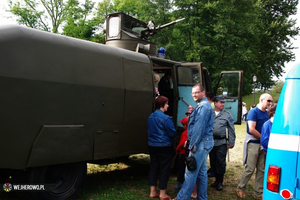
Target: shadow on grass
[(129, 182)]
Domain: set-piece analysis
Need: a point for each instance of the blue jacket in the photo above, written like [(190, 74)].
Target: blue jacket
[(161, 129), (265, 134), (201, 123)]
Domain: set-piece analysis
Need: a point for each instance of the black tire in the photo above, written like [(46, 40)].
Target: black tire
[(4, 176), (61, 181)]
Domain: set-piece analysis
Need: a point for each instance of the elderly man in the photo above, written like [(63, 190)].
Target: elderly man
[(217, 156), (200, 139), (253, 152)]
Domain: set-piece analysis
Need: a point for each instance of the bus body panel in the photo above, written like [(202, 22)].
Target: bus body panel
[(283, 148)]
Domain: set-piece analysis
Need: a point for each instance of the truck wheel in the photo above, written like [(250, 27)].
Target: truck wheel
[(61, 181), (3, 176)]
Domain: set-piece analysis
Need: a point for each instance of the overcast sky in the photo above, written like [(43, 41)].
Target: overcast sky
[(296, 43)]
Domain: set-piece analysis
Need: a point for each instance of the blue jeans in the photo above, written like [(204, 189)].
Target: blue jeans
[(198, 176)]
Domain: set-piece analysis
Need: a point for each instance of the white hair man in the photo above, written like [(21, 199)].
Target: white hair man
[(253, 156)]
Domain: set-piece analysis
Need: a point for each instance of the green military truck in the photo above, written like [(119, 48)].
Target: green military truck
[(66, 102)]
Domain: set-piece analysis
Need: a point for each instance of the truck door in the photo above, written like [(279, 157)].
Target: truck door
[(187, 75), (230, 86)]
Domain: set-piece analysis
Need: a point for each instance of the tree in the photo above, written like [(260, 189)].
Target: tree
[(274, 46), (252, 36), (277, 87), (104, 8), (220, 34), (29, 13), (77, 24), (67, 16)]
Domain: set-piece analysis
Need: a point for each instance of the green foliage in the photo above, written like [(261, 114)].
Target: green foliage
[(77, 24), (239, 35), (74, 17), (274, 45), (253, 36), (276, 89), (37, 13), (251, 99), (28, 14), (104, 8), (274, 92)]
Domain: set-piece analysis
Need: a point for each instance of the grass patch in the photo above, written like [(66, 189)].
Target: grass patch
[(248, 99)]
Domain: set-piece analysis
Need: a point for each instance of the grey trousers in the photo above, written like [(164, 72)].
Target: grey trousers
[(255, 159)]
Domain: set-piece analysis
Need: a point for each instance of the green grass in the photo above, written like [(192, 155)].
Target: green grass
[(248, 99)]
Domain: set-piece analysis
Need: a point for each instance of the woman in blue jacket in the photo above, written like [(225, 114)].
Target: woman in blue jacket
[(267, 126), (161, 131)]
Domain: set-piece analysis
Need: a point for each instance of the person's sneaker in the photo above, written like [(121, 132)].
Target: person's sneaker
[(240, 193), (178, 186)]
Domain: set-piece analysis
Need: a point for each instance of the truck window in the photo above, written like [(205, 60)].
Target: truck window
[(133, 25), (114, 27), (228, 85), (188, 76)]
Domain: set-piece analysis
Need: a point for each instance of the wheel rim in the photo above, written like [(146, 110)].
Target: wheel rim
[(60, 179)]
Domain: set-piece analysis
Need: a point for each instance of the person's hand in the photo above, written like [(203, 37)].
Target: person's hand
[(230, 146), (193, 150)]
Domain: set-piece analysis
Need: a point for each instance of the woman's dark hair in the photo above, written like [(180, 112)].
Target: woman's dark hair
[(160, 102), (272, 109)]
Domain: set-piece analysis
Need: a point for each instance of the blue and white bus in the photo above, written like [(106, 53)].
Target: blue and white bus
[(282, 169)]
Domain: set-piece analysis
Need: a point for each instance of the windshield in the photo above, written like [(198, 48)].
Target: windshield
[(133, 25)]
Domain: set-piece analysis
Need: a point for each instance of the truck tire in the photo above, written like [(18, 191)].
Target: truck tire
[(3, 176), (61, 182)]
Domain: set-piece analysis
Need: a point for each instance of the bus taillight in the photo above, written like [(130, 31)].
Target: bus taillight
[(273, 178)]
